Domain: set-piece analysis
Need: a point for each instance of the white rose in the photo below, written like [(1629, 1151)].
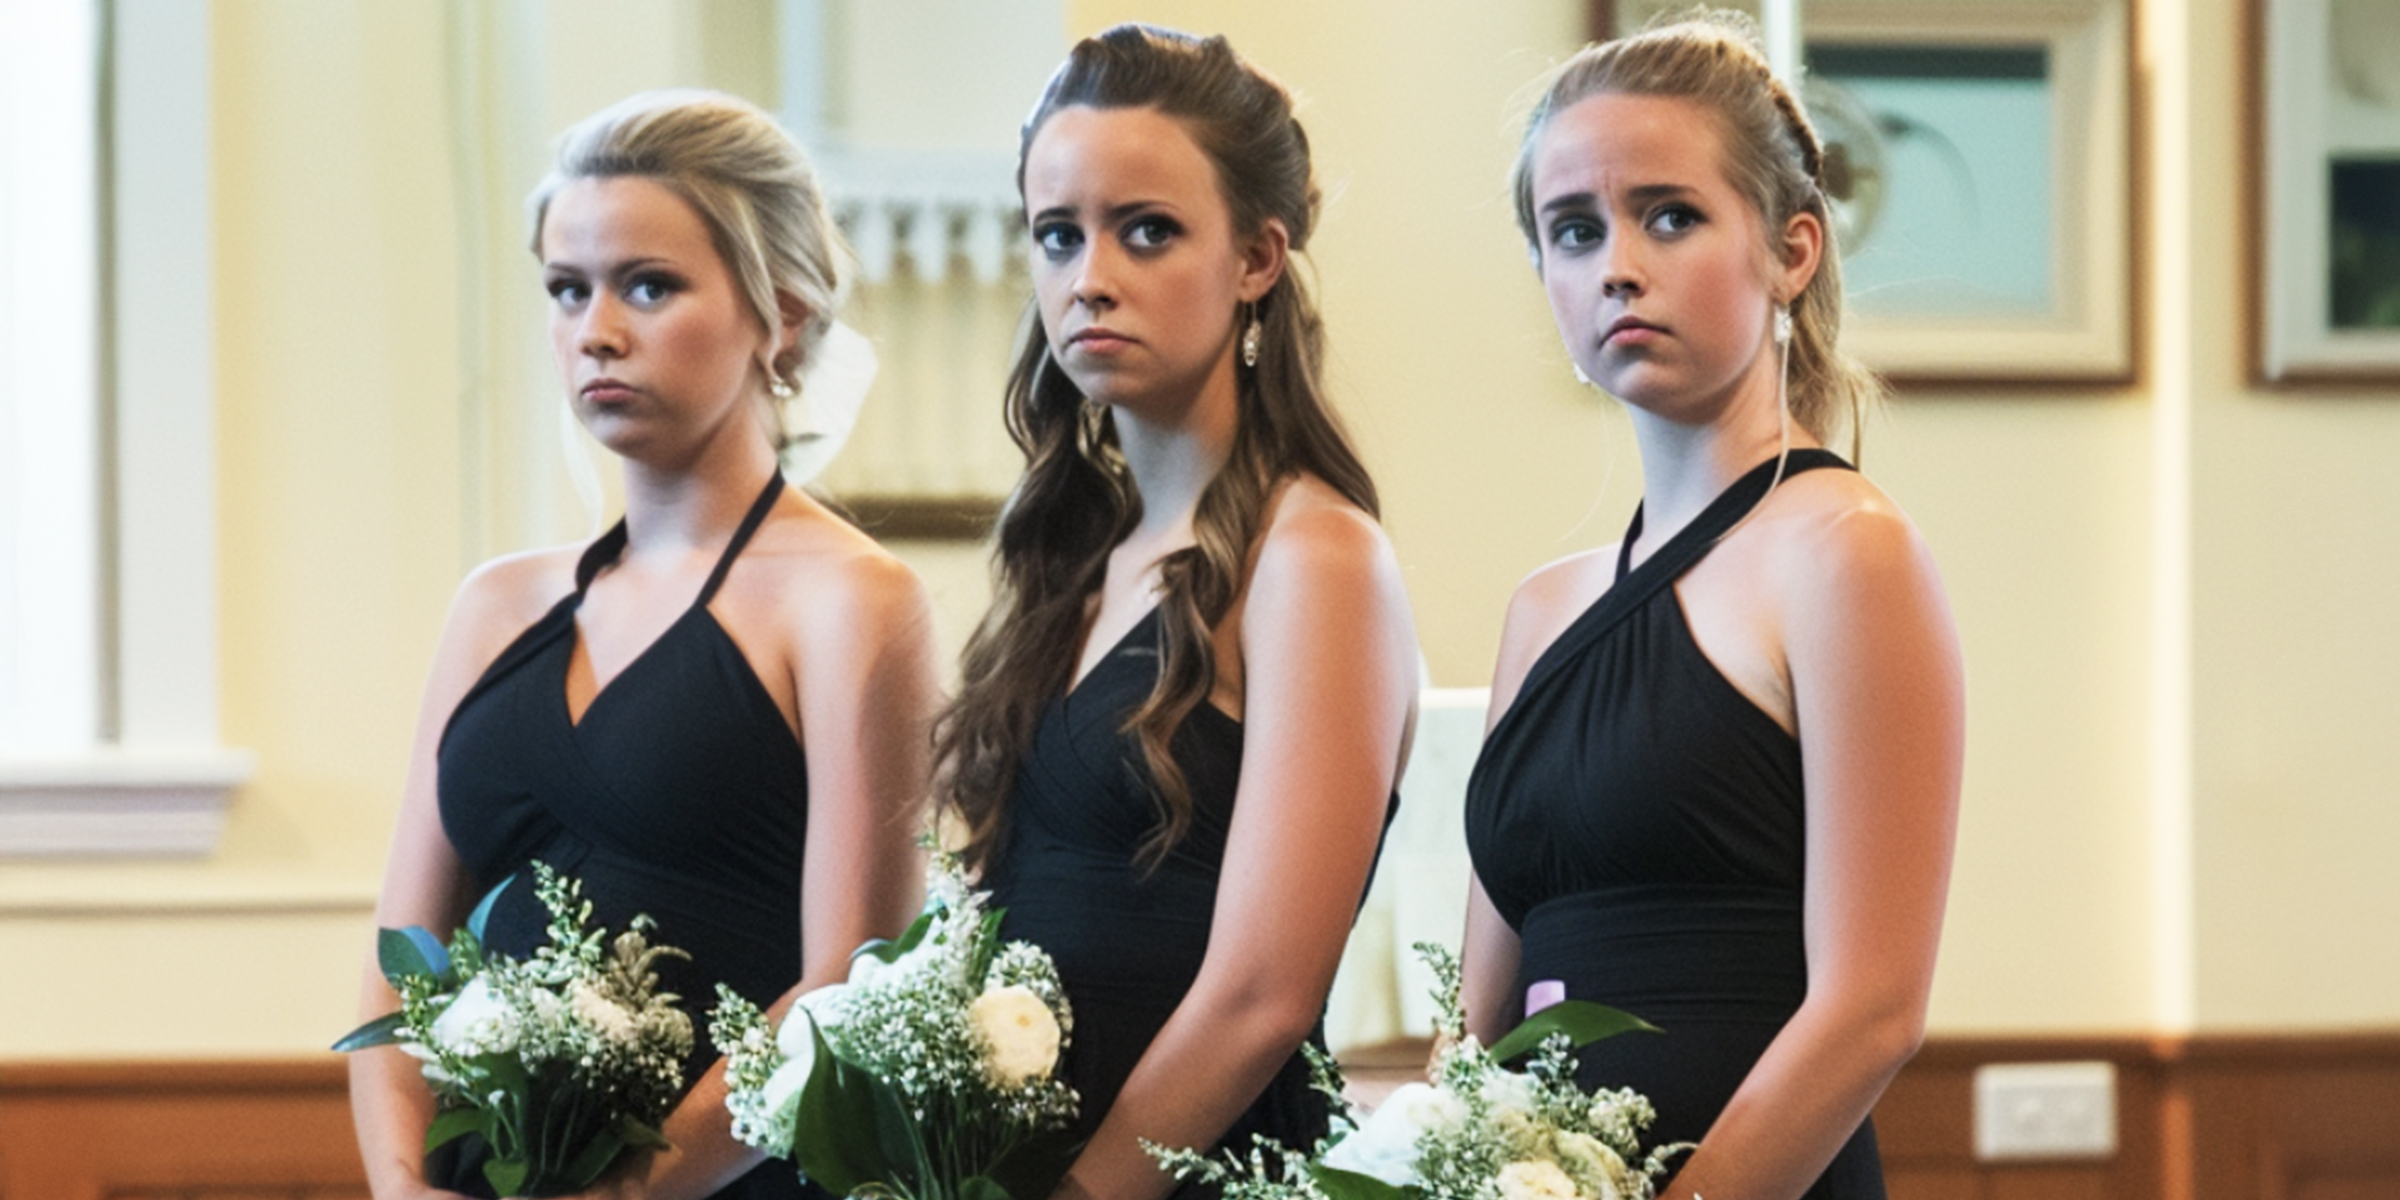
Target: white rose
[(1591, 1158), (1535, 1180), (477, 1021), (826, 1005), (1020, 1036), (602, 1015), (782, 1089), (1508, 1091), (1385, 1144)]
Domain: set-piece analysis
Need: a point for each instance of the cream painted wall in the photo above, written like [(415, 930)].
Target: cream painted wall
[(344, 531), (2296, 580)]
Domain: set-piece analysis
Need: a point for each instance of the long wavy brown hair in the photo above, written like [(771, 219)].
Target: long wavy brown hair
[(1077, 499)]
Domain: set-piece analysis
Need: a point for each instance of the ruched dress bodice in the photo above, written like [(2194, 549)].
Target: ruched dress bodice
[(1641, 824), (681, 793), (1128, 941)]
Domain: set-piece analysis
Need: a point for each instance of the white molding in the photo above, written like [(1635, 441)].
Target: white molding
[(117, 803), (50, 597), (163, 786), (165, 332), (930, 208)]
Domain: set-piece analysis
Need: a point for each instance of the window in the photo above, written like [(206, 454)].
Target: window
[(108, 738)]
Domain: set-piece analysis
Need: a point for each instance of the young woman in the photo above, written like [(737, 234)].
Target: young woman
[(715, 714), (1721, 782), (1182, 721)]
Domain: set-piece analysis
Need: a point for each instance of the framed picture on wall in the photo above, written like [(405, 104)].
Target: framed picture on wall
[(2326, 248), (1981, 160)]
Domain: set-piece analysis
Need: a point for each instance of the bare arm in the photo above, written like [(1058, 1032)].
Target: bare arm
[(868, 689), (1878, 688), (424, 883), (1544, 605), (1329, 652)]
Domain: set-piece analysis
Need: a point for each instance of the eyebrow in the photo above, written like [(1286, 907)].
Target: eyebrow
[(1641, 194), (1113, 214), (624, 268)]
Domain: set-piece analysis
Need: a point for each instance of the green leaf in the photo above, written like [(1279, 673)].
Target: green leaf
[(1338, 1184), (455, 1124), (898, 1135), (981, 1187), (411, 951), (596, 1156), (833, 1130), (987, 945), (382, 1031), (636, 1133), (1032, 1169), (483, 910), (886, 951), (1581, 1020), (506, 1178)]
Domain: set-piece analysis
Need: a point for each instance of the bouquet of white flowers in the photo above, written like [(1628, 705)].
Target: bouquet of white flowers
[(930, 1075), (1478, 1131), (559, 1063)]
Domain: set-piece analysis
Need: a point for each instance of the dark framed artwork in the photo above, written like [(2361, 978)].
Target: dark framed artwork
[(2326, 242)]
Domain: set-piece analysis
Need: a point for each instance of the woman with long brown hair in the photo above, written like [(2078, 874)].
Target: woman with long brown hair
[(1721, 782), (1181, 723)]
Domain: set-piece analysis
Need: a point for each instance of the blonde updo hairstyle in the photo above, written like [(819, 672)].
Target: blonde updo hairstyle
[(1773, 159), (751, 185)]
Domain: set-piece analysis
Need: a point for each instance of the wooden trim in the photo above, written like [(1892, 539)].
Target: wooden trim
[(23, 1081), (2232, 1116), (181, 1130), (922, 518)]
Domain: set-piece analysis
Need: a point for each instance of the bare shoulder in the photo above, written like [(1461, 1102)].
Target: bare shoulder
[(1835, 532), (1316, 537), (503, 596), (822, 573), (1555, 593), (1544, 604)]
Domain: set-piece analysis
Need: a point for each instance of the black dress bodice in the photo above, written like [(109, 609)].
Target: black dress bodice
[(1641, 824), (1128, 941), (681, 793)]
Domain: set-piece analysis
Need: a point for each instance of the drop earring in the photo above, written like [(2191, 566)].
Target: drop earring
[(1783, 325), (1250, 340)]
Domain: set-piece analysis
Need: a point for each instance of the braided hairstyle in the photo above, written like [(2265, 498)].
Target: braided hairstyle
[(1077, 500), (1712, 58)]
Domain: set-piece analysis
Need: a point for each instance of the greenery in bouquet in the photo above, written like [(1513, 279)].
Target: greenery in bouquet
[(559, 1063), (930, 1075), (1476, 1131)]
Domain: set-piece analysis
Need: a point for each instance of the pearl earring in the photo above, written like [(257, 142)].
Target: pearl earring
[(1783, 325), (1250, 339)]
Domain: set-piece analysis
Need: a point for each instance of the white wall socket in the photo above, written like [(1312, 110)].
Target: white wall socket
[(2045, 1110)]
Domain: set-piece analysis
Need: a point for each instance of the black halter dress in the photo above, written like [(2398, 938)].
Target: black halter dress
[(681, 793), (1128, 943), (1640, 824)]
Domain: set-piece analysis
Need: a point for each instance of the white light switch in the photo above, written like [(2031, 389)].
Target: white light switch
[(2046, 1110)]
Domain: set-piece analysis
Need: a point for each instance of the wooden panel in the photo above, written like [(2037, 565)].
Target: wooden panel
[(2300, 1117), (1908, 1182), (178, 1131)]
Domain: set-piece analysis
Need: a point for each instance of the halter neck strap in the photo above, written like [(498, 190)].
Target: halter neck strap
[(609, 546)]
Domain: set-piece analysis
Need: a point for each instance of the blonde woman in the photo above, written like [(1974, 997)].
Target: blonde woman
[(715, 714), (1721, 782)]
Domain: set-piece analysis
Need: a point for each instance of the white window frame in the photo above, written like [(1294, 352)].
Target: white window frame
[(138, 769)]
